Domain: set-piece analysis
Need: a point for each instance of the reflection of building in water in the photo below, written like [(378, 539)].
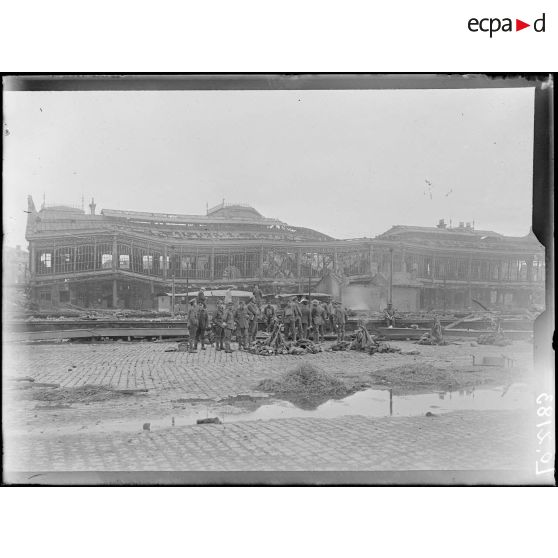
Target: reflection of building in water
[(126, 258)]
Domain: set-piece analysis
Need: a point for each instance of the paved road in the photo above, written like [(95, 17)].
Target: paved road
[(456, 441), (73, 440)]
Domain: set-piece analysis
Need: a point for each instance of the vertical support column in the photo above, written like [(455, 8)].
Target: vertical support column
[(212, 264), (114, 293), (260, 263), (75, 259), (114, 254), (32, 260), (298, 265), (370, 253), (95, 254), (165, 255), (469, 288)]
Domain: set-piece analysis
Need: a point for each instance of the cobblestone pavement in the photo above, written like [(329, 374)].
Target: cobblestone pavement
[(81, 438), (456, 441), (212, 374)]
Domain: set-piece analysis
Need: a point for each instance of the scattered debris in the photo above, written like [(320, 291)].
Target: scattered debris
[(428, 339), (429, 414), (147, 426), (275, 343), (212, 420), (363, 341), (494, 338)]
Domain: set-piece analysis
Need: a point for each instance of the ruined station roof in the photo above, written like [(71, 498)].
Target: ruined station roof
[(222, 222), (458, 236)]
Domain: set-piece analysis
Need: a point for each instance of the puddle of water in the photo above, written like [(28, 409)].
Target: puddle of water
[(368, 403), (376, 403)]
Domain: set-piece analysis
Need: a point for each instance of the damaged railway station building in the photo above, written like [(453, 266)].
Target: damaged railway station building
[(129, 259)]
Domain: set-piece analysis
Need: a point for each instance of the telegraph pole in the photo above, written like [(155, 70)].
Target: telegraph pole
[(390, 292), (173, 291)]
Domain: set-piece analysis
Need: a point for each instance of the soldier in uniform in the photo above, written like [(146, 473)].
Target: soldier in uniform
[(289, 320), (317, 320), (305, 317), (253, 316), (218, 328), (242, 322), (203, 320), (228, 326), (193, 324), (269, 314), (340, 320)]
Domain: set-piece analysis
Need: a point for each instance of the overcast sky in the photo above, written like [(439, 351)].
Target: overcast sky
[(346, 163)]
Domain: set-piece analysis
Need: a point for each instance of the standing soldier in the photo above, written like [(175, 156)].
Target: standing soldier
[(228, 326), (203, 320), (389, 314), (242, 322), (193, 324), (317, 320), (340, 320), (305, 318), (269, 314), (218, 326), (290, 320), (253, 316)]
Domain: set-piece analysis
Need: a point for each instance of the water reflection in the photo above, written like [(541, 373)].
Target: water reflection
[(368, 403), (380, 403)]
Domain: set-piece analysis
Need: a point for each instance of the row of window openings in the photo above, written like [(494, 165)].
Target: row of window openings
[(124, 261), (147, 263)]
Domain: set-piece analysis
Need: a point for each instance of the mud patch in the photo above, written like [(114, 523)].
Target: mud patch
[(193, 400), (419, 377), (82, 394), (307, 386)]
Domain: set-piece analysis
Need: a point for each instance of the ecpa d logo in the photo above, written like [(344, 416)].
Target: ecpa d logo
[(493, 25)]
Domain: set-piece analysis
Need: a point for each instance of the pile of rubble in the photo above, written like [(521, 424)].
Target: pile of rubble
[(363, 341), (494, 338), (275, 343)]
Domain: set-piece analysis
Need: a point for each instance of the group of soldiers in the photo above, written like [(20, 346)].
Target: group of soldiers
[(298, 316)]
